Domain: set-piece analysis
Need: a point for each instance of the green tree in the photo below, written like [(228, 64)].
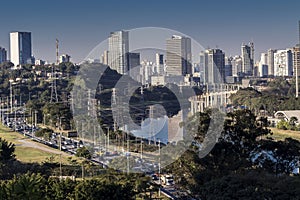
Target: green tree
[(60, 189), (292, 122), (83, 152), (45, 133), (282, 124), (27, 187), (7, 150)]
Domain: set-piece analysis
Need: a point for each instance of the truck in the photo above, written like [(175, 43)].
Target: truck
[(167, 179)]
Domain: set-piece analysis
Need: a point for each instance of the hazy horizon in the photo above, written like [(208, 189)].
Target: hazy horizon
[(80, 26)]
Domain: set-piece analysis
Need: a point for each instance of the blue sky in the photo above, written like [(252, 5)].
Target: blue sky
[(81, 25)]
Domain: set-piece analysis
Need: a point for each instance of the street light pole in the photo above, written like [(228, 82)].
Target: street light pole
[(128, 156), (11, 100), (60, 133), (141, 148), (31, 113), (60, 170), (35, 118), (108, 138)]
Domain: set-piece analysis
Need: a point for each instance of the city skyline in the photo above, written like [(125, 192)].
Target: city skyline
[(80, 27)]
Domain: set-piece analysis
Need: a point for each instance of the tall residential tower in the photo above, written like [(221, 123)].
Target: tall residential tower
[(20, 48), (118, 47), (248, 59)]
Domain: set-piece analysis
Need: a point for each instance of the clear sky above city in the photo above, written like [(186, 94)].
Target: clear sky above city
[(81, 25)]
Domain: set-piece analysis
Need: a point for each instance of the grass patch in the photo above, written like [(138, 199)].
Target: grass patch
[(28, 154), (279, 134), (31, 154), (10, 136)]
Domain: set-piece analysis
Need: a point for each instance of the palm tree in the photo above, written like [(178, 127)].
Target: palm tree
[(28, 186), (7, 150)]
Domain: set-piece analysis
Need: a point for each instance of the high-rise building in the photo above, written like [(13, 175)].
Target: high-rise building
[(237, 63), (64, 58), (271, 62), (247, 58), (296, 56), (159, 59), (3, 55), (296, 60), (203, 65), (215, 66), (133, 60), (228, 66), (118, 47), (20, 48), (179, 56), (263, 65), (283, 63), (105, 57)]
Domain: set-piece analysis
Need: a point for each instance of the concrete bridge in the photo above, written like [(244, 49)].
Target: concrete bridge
[(216, 96)]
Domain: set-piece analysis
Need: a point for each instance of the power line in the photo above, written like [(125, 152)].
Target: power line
[(53, 97)]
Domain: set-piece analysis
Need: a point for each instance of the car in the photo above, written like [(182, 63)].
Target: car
[(154, 177)]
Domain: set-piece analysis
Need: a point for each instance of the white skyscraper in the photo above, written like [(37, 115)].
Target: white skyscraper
[(283, 63), (263, 65), (271, 62), (20, 48), (237, 66), (118, 47)]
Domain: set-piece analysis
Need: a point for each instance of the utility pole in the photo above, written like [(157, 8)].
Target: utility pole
[(31, 112), (89, 102), (114, 104), (108, 138), (53, 97), (159, 168), (82, 170), (15, 118), (60, 133), (35, 119), (60, 170), (141, 148), (151, 125), (11, 98), (128, 155)]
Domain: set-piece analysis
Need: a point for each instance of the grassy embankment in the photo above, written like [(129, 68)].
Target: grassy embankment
[(279, 134), (35, 153)]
